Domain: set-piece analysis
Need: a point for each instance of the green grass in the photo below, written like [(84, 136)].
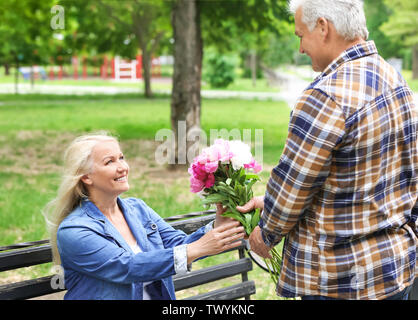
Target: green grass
[(413, 83), (136, 118), (157, 84), (35, 129)]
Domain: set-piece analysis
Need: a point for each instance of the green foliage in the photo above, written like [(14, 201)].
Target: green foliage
[(219, 69), (403, 22), (281, 50), (25, 31), (377, 14), (245, 26), (403, 25)]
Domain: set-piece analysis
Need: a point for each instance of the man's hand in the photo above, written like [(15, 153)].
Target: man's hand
[(256, 202), (257, 244), (256, 241)]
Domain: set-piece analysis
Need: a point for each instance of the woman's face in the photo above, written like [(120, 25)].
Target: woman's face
[(109, 174)]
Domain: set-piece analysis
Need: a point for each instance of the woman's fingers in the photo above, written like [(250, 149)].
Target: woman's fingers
[(220, 209), (231, 232), (228, 238), (227, 226), (233, 238)]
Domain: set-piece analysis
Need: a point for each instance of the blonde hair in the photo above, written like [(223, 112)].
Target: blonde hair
[(77, 163)]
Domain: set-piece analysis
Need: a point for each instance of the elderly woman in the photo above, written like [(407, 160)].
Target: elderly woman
[(115, 248)]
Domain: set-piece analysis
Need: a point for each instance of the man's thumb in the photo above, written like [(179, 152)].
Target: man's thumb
[(246, 207)]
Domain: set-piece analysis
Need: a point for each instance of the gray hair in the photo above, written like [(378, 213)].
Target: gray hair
[(346, 15)]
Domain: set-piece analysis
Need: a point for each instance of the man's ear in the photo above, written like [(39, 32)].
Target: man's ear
[(323, 26), (86, 180)]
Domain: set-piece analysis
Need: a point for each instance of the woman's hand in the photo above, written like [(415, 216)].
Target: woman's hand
[(220, 220), (219, 239)]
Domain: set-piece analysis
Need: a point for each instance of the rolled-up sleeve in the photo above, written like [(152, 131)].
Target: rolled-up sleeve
[(316, 127), (180, 254)]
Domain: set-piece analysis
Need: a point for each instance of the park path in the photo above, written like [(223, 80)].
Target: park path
[(293, 88), (292, 84)]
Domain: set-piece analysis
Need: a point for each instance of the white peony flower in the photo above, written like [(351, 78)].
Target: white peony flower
[(241, 154)]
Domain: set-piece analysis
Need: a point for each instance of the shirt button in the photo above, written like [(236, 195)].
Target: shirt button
[(153, 226)]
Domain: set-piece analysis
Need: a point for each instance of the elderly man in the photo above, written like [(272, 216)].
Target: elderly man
[(344, 194)]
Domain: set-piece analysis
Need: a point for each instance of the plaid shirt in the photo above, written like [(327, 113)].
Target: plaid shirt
[(344, 194)]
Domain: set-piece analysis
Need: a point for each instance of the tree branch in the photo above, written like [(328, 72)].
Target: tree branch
[(157, 40), (111, 15)]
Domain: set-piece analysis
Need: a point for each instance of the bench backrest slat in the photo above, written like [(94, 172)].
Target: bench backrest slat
[(27, 289), (236, 291), (25, 257), (212, 273)]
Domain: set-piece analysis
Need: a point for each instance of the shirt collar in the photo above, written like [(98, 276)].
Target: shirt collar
[(355, 52)]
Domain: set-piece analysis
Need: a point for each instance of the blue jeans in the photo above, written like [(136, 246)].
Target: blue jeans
[(403, 295)]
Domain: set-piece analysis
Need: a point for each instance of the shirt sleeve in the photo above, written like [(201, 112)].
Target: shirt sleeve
[(316, 127), (180, 254)]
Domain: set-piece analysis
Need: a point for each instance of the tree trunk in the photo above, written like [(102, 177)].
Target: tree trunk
[(32, 77), (415, 62), (146, 65), (17, 76), (6, 69), (253, 63), (185, 97)]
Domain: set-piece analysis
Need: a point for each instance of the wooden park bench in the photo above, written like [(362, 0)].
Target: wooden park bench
[(22, 255)]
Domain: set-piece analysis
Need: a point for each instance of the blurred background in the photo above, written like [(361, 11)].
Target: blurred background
[(133, 67), (243, 42)]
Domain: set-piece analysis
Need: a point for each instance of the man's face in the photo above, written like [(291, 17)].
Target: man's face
[(311, 43)]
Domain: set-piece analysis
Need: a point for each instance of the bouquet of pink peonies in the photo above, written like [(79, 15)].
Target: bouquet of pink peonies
[(225, 173)]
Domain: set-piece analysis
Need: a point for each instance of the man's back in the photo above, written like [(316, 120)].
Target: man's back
[(374, 169), (350, 166)]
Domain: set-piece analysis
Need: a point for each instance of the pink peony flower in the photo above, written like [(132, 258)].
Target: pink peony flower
[(253, 165), (210, 180), (207, 162), (211, 167), (201, 176), (223, 149), (196, 185)]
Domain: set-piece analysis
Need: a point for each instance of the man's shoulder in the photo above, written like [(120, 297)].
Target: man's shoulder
[(356, 83), (370, 72)]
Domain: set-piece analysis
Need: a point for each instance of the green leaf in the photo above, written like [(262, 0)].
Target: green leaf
[(228, 191), (228, 181), (242, 176), (255, 219), (247, 225), (250, 176), (236, 216), (214, 198), (232, 204), (250, 184)]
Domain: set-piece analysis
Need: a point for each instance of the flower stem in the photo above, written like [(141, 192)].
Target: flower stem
[(274, 264)]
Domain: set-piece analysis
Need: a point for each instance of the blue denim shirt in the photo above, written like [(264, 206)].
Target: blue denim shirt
[(99, 264)]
